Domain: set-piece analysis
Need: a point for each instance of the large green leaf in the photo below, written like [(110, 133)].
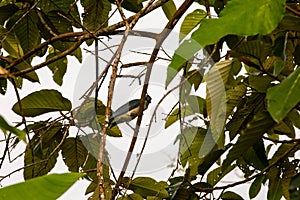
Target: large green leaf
[(95, 13), (47, 187), (41, 102), (30, 38), (216, 80), (10, 43), (260, 123), (190, 22), (74, 153), (236, 18), (5, 127), (146, 186), (67, 7), (284, 96)]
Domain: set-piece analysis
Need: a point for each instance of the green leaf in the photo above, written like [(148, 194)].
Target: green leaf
[(260, 83), (58, 68), (260, 123), (47, 187), (244, 110), (236, 18), (284, 96), (216, 80), (234, 97), (58, 25), (41, 154), (294, 187), (228, 195), (5, 127), (74, 153), (275, 191), (10, 43), (210, 159), (256, 186), (7, 11), (169, 9), (95, 13), (146, 186), (30, 38), (175, 115), (41, 102), (31, 76), (217, 174), (190, 22)]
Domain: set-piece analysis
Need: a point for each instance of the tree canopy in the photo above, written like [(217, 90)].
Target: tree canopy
[(245, 54)]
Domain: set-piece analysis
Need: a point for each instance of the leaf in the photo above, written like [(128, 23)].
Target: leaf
[(10, 43), (46, 187), (58, 67), (74, 153), (260, 123), (228, 195), (31, 76), (210, 159), (217, 174), (5, 127), (284, 96), (236, 18), (256, 186), (67, 7), (255, 156), (7, 11), (244, 110), (175, 115), (146, 186), (42, 151), (294, 187), (95, 13), (260, 83), (41, 102), (30, 38), (234, 97), (216, 79), (169, 9), (190, 22), (58, 25), (274, 192)]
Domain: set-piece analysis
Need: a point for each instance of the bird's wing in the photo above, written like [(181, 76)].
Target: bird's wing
[(126, 107)]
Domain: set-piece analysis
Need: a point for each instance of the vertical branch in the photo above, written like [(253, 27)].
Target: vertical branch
[(159, 40), (23, 119), (107, 115)]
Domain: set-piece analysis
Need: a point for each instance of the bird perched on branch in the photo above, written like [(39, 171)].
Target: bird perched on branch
[(128, 111)]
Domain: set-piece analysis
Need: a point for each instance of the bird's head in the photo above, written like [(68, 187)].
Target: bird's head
[(148, 99)]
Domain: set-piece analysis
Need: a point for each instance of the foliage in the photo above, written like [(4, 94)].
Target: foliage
[(247, 121)]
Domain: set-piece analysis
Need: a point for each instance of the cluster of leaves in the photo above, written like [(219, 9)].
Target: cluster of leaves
[(253, 108), (245, 115)]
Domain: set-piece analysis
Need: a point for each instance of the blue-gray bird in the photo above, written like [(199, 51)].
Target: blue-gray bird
[(128, 111)]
